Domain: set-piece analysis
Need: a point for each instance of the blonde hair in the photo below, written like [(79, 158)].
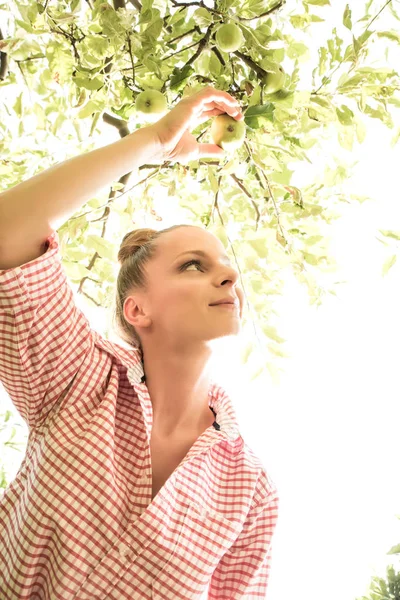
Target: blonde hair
[(137, 248)]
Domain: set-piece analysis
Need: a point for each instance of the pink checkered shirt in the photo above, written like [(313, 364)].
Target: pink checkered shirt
[(78, 521)]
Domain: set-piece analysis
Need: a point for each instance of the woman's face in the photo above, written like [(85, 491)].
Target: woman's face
[(176, 307)]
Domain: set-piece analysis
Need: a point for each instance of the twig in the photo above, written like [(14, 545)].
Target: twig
[(377, 15), (269, 191), (329, 77), (267, 12), (240, 184), (212, 10), (231, 245)]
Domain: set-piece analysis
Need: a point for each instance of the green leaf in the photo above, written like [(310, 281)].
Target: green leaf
[(26, 26), (347, 17), (90, 84), (103, 247), (390, 35), (152, 65), (365, 36), (323, 56), (95, 47), (349, 53), (256, 374), (154, 29), (18, 106), (395, 138), (245, 352), (311, 259), (361, 131), (214, 65), (202, 17), (146, 14), (275, 373), (390, 234), (278, 351), (379, 113), (89, 108), (317, 2), (321, 109), (76, 271), (300, 21), (322, 101), (345, 115), (388, 264), (297, 50), (394, 549), (313, 239), (178, 79), (345, 82), (356, 45), (346, 138), (272, 333), (260, 246), (212, 179), (259, 111), (250, 36)]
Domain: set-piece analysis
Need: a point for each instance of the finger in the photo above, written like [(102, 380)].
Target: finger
[(231, 110), (210, 94), (210, 151), (205, 116)]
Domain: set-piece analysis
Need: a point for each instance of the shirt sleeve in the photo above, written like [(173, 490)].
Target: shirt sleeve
[(44, 337), (243, 572)]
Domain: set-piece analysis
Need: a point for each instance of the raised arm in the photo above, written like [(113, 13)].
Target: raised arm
[(31, 210)]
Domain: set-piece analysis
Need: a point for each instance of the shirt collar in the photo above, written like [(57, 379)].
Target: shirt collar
[(219, 400)]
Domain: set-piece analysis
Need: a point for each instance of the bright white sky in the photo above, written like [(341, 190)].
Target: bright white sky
[(328, 433)]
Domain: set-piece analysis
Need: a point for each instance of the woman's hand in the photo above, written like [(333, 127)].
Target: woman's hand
[(173, 139)]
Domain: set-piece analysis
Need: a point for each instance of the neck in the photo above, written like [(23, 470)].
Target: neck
[(179, 386)]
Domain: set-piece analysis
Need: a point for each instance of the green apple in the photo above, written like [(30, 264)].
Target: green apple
[(274, 79), (229, 37), (105, 6), (152, 104), (227, 132)]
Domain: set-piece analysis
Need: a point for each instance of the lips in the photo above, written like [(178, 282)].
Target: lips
[(220, 303), (226, 301)]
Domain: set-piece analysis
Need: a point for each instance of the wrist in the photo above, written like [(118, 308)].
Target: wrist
[(145, 146)]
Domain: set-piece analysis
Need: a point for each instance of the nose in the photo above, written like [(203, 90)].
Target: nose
[(233, 274)]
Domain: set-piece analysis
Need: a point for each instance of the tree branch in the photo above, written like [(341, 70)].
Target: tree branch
[(3, 62), (179, 37), (200, 3), (267, 12), (329, 77), (136, 4), (203, 43), (218, 55), (377, 15), (244, 190), (250, 62)]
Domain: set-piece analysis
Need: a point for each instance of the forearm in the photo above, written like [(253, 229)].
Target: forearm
[(51, 197)]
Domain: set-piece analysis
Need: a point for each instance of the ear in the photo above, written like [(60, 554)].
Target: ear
[(135, 313)]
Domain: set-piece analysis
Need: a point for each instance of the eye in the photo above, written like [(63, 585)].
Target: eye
[(191, 262)]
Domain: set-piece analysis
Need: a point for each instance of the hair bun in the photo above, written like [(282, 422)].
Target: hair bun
[(133, 241)]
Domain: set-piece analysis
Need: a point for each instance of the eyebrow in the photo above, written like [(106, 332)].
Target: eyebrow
[(226, 258)]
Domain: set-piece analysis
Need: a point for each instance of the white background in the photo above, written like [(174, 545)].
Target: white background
[(328, 433)]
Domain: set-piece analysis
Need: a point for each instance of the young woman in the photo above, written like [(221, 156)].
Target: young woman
[(136, 482)]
